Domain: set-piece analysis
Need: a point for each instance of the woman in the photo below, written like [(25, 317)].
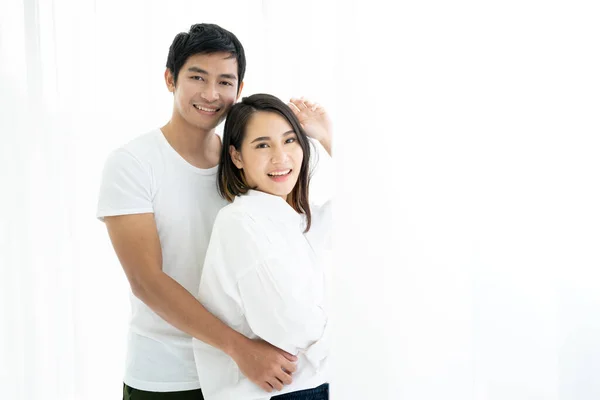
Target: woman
[(262, 274)]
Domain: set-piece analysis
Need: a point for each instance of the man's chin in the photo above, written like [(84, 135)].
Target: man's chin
[(207, 127)]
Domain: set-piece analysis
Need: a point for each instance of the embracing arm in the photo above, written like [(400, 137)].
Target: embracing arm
[(136, 242)]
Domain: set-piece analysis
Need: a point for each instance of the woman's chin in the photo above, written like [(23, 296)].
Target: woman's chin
[(279, 193), (276, 191)]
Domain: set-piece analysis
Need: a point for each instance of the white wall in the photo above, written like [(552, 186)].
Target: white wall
[(467, 215)]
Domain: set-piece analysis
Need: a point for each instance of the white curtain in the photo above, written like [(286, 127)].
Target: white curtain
[(466, 262)]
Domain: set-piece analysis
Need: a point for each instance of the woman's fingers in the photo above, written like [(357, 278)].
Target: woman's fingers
[(294, 108)]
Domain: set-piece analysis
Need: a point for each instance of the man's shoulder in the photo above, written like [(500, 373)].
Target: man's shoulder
[(142, 149), (143, 144)]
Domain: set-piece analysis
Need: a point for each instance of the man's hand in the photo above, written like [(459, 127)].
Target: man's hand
[(264, 364), (314, 120)]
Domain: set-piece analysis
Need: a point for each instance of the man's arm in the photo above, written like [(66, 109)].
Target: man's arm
[(136, 242)]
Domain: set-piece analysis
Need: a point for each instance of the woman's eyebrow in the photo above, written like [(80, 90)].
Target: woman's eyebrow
[(290, 132)]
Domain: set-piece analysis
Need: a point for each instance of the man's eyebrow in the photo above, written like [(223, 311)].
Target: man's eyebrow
[(201, 71), (198, 70), (258, 139), (229, 76)]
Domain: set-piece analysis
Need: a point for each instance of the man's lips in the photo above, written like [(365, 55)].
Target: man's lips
[(206, 108)]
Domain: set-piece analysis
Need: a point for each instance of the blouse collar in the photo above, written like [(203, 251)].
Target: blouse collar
[(274, 207)]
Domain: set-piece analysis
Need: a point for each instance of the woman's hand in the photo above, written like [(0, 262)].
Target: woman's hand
[(314, 119)]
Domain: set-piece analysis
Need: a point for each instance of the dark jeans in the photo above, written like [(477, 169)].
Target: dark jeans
[(318, 393), (130, 393)]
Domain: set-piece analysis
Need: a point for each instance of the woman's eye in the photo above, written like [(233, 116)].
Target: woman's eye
[(261, 146), (291, 140)]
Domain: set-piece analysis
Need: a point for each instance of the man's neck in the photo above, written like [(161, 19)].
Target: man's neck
[(199, 147)]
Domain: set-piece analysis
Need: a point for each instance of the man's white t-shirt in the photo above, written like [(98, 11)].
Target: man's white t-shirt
[(148, 176)]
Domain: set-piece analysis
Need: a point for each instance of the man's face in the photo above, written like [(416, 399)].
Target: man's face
[(207, 86)]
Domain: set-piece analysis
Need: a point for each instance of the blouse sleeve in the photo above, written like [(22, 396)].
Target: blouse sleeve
[(280, 308)]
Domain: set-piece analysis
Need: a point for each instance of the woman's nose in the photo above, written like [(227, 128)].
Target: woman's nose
[(279, 155)]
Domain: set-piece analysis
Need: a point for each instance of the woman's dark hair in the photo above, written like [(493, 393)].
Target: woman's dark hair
[(205, 39), (231, 181)]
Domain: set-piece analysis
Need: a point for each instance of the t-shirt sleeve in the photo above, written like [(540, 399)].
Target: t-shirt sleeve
[(126, 186)]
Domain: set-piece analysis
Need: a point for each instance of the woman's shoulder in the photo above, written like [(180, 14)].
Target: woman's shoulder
[(235, 220), (235, 213), (239, 237)]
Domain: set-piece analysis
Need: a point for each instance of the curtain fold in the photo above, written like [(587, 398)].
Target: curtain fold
[(78, 79)]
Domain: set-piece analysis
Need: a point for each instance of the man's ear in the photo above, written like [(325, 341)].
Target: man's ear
[(169, 80), (236, 157), (239, 91)]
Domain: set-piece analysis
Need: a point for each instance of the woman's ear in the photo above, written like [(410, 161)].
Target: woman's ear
[(236, 157)]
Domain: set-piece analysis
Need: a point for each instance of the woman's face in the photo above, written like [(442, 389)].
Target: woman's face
[(270, 154)]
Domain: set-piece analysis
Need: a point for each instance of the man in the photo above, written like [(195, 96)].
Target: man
[(159, 200)]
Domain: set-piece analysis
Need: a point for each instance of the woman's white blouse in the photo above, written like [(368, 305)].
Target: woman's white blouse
[(263, 276)]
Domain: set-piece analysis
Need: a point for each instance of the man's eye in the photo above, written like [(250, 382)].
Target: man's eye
[(261, 146), (197, 78), (226, 83)]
